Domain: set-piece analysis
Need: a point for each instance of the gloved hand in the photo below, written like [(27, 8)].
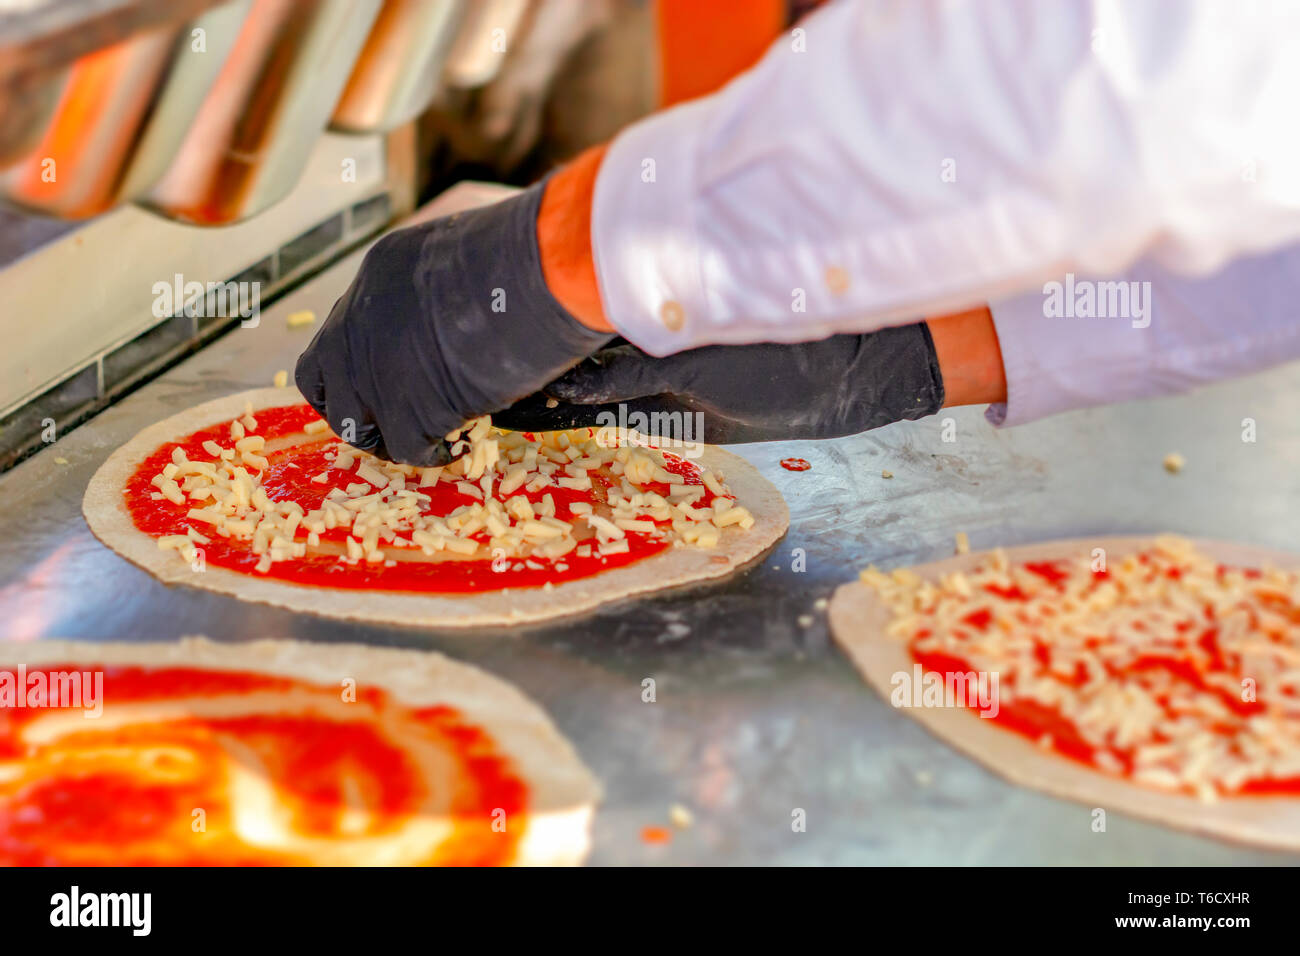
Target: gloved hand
[(445, 321), (841, 385)]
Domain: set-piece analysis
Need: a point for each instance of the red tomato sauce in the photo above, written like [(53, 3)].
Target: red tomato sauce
[(126, 795), (796, 464), (288, 477)]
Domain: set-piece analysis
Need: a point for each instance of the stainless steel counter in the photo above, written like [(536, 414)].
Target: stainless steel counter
[(755, 714)]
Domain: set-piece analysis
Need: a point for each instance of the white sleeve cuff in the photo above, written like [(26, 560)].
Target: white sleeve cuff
[(644, 237), (1195, 330)]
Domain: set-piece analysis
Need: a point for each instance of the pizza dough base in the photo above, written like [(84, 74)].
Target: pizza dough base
[(858, 621), (562, 792), (109, 518)]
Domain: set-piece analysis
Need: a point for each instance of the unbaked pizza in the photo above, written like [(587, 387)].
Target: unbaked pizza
[(253, 495), (277, 753), (1156, 676)]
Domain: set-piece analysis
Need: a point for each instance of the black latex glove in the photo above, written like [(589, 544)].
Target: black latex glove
[(838, 386), (444, 322)]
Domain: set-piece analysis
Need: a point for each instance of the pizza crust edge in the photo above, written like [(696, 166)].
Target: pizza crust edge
[(858, 620)]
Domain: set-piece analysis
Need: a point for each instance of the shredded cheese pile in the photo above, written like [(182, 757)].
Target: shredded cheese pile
[(1177, 672), (383, 509)]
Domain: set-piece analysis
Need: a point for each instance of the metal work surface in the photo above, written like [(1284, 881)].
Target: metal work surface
[(755, 715)]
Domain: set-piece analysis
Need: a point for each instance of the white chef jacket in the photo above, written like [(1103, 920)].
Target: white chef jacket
[(892, 159)]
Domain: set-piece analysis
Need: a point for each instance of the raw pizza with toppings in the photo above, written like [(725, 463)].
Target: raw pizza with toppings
[(1159, 677), (253, 495), (277, 753)]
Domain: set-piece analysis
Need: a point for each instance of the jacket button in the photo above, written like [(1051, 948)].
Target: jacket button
[(672, 315)]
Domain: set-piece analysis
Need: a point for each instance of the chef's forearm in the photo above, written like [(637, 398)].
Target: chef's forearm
[(564, 239), (970, 359), (965, 342)]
